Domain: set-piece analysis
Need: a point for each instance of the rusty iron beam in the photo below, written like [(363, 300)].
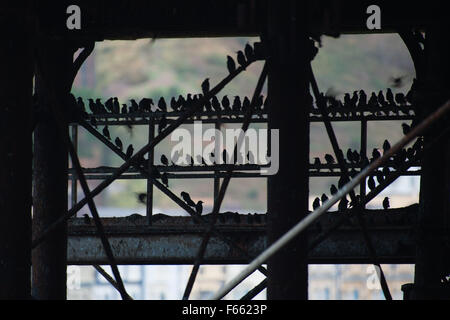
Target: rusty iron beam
[(175, 240)]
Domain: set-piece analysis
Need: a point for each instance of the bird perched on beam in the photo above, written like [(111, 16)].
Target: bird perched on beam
[(386, 146), (226, 103), (106, 132), (130, 151), (406, 128), (386, 204), (162, 104), (205, 86), (249, 52), (371, 183), (199, 207), (324, 198), (330, 160), (333, 190), (316, 203), (164, 160), (241, 59), (118, 143), (186, 197), (231, 65), (317, 163)]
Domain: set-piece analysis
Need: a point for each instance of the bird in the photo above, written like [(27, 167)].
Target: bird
[(130, 151), (116, 105), (118, 143), (317, 163), (109, 104), (400, 99), (386, 146), (386, 204), (371, 183), (236, 104), (216, 104), (350, 155), (199, 207), (93, 122), (86, 219), (92, 106), (134, 106), (249, 52), (380, 176), (333, 190), (316, 203), (231, 65), (162, 104), (164, 160), (205, 86), (373, 100), (390, 96), (165, 179), (324, 198), (386, 171), (375, 154), (226, 103), (241, 59), (246, 104), (343, 204), (187, 199), (362, 99), (142, 198), (80, 104), (124, 109), (406, 128), (381, 99), (106, 132), (330, 160)]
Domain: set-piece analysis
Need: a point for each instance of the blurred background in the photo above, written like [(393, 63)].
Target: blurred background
[(170, 67)]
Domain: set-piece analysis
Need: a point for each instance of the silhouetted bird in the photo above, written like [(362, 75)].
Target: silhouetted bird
[(371, 183), (199, 207), (324, 198), (410, 152), (373, 100), (317, 163), (380, 176), (241, 59), (174, 104), (162, 104), (375, 154), (124, 108), (86, 219), (362, 99), (109, 104), (100, 107), (106, 132), (142, 198), (342, 182), (165, 179), (390, 96), (92, 106), (118, 143), (333, 190), (386, 146), (134, 106), (231, 65), (316, 203), (343, 204), (80, 104), (355, 202), (386, 204), (164, 160), (187, 199), (381, 99), (236, 104), (417, 146), (216, 104), (400, 99), (350, 155), (330, 160), (406, 128), (226, 103), (356, 156), (145, 105), (205, 86), (249, 52), (245, 105), (116, 105), (130, 151)]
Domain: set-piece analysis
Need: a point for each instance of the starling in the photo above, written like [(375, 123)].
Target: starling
[(381, 99), (130, 151), (231, 65), (142, 198), (124, 109), (343, 204), (386, 171), (362, 99), (164, 160), (316, 203), (162, 104), (249, 52), (92, 106), (400, 99), (106, 133), (118, 143), (333, 190), (418, 145), (134, 106), (236, 104), (371, 183), (164, 179), (226, 103), (116, 106), (80, 104), (386, 204), (342, 182), (245, 104), (187, 199), (373, 100), (347, 100), (317, 163), (324, 198), (380, 176), (356, 156), (390, 96), (375, 154), (145, 105), (241, 59), (354, 99), (109, 104), (406, 128), (174, 104), (86, 219), (205, 86), (356, 201), (386, 146), (350, 155), (199, 207), (329, 159), (100, 107), (410, 152), (216, 104)]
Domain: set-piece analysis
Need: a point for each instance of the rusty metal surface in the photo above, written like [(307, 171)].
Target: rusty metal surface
[(175, 240)]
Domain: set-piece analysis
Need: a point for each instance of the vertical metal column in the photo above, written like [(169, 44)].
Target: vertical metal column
[(288, 89), (151, 161), (16, 82), (432, 259), (363, 151), (74, 187), (50, 172)]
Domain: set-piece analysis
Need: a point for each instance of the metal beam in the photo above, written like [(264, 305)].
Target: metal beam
[(175, 240)]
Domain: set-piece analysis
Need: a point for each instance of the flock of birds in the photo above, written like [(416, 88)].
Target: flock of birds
[(378, 176), (378, 104)]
